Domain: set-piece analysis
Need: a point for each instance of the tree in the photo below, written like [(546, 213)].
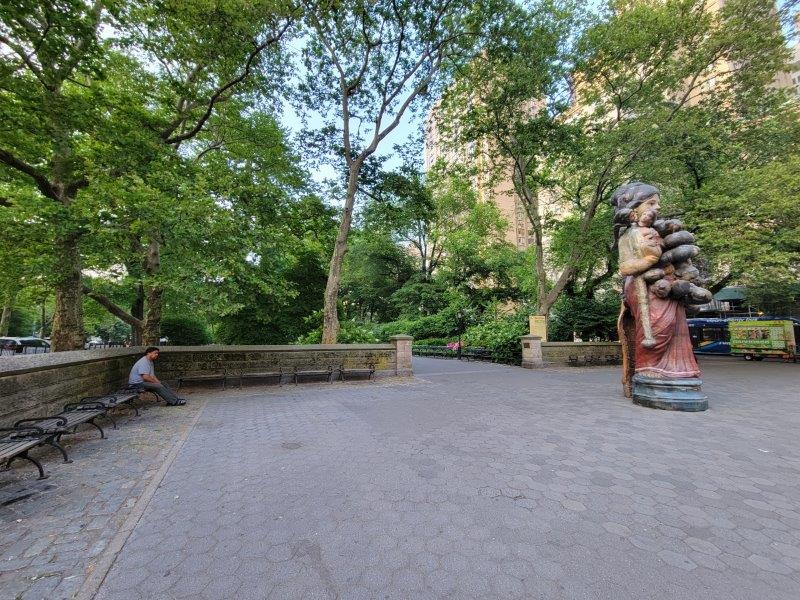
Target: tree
[(375, 268), (420, 210), (82, 112), (219, 217), (49, 51), (476, 273), (203, 66), (367, 62), (280, 287), (750, 222), (574, 107)]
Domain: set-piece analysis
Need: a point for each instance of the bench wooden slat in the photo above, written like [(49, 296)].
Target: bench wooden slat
[(46, 423), (265, 374), (344, 372), (65, 420), (328, 374), (81, 416), (203, 377), (9, 449)]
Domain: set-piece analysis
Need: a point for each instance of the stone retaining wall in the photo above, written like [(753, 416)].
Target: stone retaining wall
[(41, 384), (559, 352), (176, 361)]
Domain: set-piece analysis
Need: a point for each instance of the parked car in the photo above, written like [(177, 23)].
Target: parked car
[(24, 345)]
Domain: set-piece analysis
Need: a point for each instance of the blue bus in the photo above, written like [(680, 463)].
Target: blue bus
[(711, 336)]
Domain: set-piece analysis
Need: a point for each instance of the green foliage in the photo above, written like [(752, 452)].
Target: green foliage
[(375, 268), (142, 152), (115, 331), (280, 289), (589, 318), (350, 332), (501, 336), (385, 330), (22, 323), (435, 341), (657, 95), (182, 330), (750, 222), (775, 298)]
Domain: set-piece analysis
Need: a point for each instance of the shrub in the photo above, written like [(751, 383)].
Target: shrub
[(501, 336), (385, 330), (588, 317), (185, 331), (438, 325), (350, 332), (436, 341)]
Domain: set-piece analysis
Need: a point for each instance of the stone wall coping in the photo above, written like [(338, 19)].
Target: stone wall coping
[(530, 337), (275, 348), (26, 363), (401, 336), (579, 344)]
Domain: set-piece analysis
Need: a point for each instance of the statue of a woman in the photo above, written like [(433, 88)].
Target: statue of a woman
[(659, 281)]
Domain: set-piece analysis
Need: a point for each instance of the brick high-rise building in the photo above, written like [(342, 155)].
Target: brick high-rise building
[(491, 182)]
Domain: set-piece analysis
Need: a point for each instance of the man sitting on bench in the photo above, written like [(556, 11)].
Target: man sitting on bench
[(143, 376)]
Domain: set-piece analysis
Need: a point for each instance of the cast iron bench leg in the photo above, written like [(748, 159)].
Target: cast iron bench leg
[(54, 443), (102, 433), (26, 456), (110, 418)]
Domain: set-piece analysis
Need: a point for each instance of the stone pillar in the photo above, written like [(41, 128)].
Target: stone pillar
[(402, 346), (531, 351)]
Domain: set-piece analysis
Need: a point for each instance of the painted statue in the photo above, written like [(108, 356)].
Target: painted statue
[(655, 261)]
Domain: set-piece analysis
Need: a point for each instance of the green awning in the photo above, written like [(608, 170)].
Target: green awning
[(730, 293)]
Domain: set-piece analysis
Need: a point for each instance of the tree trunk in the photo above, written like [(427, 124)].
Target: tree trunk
[(530, 201), (330, 323), (151, 333), (137, 311), (5, 319), (43, 320), (5, 316), (67, 331)]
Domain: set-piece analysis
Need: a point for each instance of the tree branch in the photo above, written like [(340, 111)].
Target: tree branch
[(219, 94), (26, 60), (113, 308), (39, 178)]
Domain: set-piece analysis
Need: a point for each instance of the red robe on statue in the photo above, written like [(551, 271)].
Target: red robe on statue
[(672, 356)]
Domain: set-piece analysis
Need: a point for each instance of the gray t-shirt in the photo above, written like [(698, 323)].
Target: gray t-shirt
[(143, 366)]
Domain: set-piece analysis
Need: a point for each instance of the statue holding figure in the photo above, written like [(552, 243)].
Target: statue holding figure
[(659, 282)]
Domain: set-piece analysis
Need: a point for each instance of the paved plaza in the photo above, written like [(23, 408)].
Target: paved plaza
[(468, 481)]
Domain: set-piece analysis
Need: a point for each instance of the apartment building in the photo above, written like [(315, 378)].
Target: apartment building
[(492, 182), (492, 179)]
